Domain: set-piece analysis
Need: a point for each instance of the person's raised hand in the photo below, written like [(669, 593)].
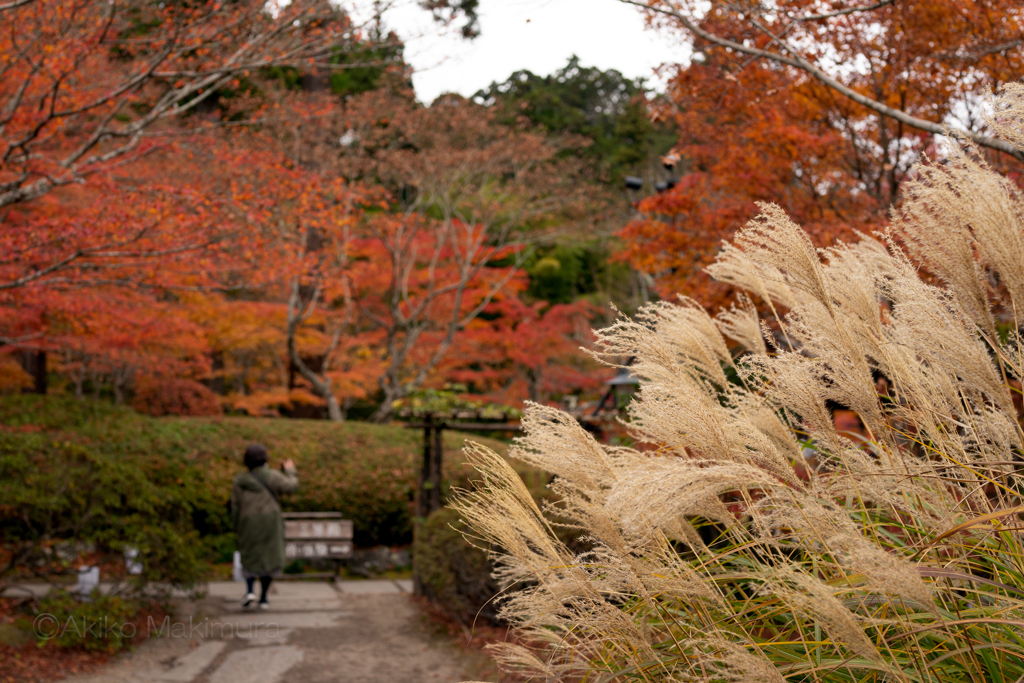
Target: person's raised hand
[(288, 464)]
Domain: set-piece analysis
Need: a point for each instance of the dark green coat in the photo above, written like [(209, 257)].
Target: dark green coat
[(257, 518)]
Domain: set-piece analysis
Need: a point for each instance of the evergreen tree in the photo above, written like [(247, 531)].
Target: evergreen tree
[(605, 107)]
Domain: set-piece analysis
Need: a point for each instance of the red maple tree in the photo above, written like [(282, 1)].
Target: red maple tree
[(820, 107)]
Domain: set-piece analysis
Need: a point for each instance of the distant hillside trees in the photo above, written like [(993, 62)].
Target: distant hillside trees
[(612, 125)]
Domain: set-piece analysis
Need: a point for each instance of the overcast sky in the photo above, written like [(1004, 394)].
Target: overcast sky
[(539, 35)]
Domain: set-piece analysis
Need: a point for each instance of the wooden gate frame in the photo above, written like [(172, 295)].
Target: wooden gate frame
[(428, 491)]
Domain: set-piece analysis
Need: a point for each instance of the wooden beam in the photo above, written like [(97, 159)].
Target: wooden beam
[(311, 515), (435, 470), (422, 495), (468, 426)]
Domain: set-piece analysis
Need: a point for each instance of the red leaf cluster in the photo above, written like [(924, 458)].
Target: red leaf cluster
[(766, 111)]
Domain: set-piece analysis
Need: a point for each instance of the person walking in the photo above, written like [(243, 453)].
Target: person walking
[(256, 513)]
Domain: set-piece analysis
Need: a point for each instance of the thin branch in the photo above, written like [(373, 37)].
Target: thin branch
[(32, 277), (975, 56), (799, 62), (15, 4), (19, 341), (841, 12)]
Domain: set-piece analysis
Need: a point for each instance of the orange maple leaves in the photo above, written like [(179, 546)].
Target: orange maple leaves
[(758, 129), (325, 251)]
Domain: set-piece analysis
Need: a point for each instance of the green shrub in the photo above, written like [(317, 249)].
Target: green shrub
[(56, 491), (220, 548), (104, 622), (377, 494), (172, 478), (453, 573)]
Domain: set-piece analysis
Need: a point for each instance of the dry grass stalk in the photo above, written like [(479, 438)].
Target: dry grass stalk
[(898, 559)]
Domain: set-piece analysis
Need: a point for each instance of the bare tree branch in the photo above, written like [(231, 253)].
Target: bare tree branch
[(985, 52), (842, 12), (19, 341), (36, 275), (283, 40), (15, 4), (794, 59)]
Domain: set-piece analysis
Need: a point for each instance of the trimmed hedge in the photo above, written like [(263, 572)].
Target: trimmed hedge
[(62, 496), (164, 482), (453, 573)]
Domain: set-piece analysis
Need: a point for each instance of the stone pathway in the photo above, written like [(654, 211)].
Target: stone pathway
[(350, 632)]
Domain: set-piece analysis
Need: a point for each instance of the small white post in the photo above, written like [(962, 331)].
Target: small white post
[(236, 568), (88, 580), (131, 561)]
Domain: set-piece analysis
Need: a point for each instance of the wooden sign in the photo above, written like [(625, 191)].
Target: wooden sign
[(317, 535), (303, 550), (317, 529)]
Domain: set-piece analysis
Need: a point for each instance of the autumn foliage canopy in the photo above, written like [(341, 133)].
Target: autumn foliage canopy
[(200, 203), (822, 107), (246, 198)]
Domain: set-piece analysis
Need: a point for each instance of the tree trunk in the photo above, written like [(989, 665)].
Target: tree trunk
[(321, 385), (217, 381), (346, 405), (386, 410), (383, 413), (121, 379), (34, 363), (334, 413), (533, 379), (41, 372)]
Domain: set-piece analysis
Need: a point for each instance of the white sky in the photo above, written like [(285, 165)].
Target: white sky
[(539, 35)]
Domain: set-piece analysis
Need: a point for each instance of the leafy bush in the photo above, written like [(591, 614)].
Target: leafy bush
[(377, 495), (451, 400), (104, 622), (168, 480), (56, 491), (160, 396), (897, 558), (453, 573)]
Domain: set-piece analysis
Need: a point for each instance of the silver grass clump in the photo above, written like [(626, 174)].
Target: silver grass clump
[(742, 325), (1007, 119), (716, 554)]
